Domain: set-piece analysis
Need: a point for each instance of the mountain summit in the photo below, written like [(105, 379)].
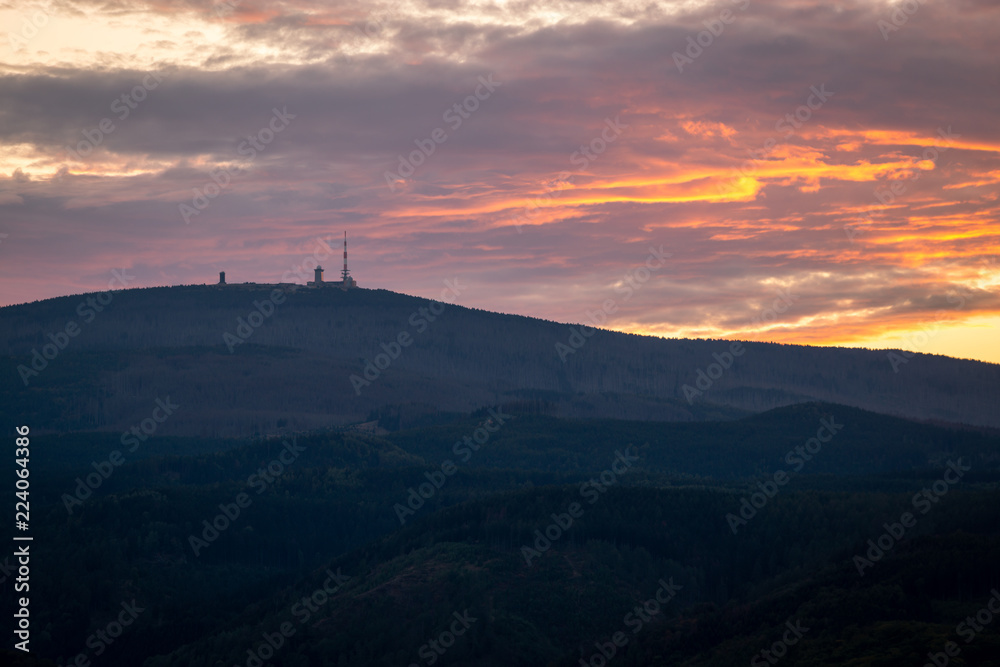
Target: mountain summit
[(254, 358)]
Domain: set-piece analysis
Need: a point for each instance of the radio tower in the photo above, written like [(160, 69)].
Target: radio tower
[(345, 278)]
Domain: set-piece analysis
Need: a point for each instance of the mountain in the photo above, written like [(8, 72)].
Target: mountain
[(214, 480), (709, 599), (262, 359), (323, 548)]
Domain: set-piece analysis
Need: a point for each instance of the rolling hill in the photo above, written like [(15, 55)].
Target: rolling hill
[(319, 358)]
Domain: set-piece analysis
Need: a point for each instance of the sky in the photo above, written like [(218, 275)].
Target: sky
[(821, 173)]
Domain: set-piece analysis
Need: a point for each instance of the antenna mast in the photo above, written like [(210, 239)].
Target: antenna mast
[(346, 275)]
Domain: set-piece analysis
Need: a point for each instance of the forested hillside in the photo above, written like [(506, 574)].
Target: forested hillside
[(311, 363), (655, 499)]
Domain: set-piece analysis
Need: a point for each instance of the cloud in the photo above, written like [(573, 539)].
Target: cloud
[(731, 164)]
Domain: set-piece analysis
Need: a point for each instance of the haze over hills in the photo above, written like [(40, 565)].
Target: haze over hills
[(199, 346)]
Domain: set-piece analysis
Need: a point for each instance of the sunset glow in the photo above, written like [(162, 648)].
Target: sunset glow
[(802, 152)]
